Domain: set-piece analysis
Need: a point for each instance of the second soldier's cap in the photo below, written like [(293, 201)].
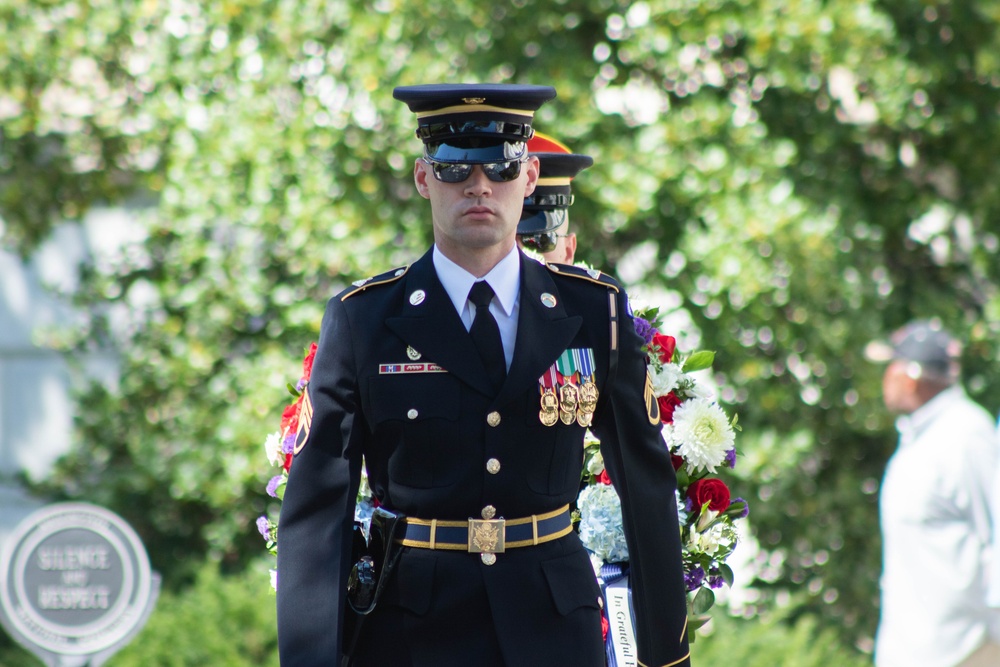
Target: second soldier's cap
[(545, 209), (474, 123), (924, 342)]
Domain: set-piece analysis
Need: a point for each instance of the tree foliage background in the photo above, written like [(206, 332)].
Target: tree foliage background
[(792, 179)]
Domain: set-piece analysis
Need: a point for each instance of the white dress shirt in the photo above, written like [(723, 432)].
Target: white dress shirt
[(936, 534), (504, 278)]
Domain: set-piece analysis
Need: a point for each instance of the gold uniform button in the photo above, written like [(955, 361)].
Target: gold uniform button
[(412, 413), (488, 559), (493, 419), (489, 512), (493, 466)]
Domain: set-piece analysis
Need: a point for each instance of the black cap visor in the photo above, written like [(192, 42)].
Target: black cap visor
[(539, 222), (475, 152)]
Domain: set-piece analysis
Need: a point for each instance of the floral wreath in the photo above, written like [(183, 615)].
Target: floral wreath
[(696, 431), (701, 440)]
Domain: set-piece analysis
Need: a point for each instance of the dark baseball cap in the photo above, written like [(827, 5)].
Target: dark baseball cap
[(925, 342)]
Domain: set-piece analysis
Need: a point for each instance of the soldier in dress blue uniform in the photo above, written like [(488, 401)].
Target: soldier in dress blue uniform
[(544, 225), (470, 419)]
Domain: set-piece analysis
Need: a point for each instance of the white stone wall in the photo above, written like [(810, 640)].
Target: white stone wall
[(36, 400)]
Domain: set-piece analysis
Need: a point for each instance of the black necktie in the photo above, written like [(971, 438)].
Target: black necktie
[(486, 334)]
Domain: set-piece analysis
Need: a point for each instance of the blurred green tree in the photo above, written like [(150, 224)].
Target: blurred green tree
[(790, 179)]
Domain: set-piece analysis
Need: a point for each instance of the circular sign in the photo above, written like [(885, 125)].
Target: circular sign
[(77, 579)]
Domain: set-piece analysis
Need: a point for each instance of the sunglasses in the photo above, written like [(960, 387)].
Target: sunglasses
[(498, 172), (543, 242)]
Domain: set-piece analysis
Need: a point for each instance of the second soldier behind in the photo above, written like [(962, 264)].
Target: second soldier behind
[(544, 226)]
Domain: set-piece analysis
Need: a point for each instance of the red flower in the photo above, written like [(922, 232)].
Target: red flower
[(667, 405), (288, 462), (677, 461), (666, 345), (709, 490), (605, 626), (307, 363), (603, 478), (290, 417)]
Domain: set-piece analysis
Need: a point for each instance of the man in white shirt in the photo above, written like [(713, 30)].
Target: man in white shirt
[(935, 509)]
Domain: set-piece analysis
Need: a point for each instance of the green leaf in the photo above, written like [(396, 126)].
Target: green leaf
[(703, 601), (698, 361), (726, 573)]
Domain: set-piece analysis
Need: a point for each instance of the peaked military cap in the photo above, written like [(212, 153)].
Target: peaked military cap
[(545, 209), (474, 123)]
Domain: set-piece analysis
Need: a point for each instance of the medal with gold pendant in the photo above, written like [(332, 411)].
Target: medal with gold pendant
[(569, 398), (549, 412), (569, 393)]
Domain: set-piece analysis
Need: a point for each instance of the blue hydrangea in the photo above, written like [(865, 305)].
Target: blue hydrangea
[(601, 528)]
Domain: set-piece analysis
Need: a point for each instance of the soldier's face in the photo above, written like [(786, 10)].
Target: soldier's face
[(476, 213)]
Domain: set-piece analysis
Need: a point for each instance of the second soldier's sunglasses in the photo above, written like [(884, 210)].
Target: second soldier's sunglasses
[(457, 172), (542, 242)]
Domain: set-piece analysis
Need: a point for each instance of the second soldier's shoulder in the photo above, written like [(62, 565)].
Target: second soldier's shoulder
[(584, 275)]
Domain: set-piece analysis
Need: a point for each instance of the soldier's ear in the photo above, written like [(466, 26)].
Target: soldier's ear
[(531, 167), (421, 172)]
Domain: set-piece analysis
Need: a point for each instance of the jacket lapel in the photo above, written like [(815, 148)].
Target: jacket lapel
[(433, 327), (543, 332)]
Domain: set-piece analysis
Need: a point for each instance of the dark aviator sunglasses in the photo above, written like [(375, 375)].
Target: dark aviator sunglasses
[(457, 172), (542, 242)]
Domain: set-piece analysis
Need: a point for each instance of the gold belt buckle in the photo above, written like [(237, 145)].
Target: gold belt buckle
[(486, 536)]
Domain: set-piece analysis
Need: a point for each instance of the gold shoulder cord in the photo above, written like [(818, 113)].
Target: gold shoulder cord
[(387, 277), (590, 275)]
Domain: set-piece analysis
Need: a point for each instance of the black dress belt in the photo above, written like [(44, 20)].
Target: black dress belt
[(487, 535)]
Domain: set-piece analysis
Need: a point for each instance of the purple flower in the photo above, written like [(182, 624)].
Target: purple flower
[(715, 582), (288, 444), (264, 527), (694, 578), (300, 385), (731, 458), (272, 486), (644, 329), (746, 508)]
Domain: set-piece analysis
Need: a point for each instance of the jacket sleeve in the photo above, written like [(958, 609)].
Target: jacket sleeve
[(317, 511), (638, 463)]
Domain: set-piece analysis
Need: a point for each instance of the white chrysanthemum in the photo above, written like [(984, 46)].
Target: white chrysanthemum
[(665, 379), (601, 528), (274, 578), (272, 448), (595, 466), (702, 434)]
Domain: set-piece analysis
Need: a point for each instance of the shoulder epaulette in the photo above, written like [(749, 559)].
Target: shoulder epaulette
[(381, 279), (590, 275)]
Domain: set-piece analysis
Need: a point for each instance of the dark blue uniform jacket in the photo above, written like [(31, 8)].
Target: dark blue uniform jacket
[(426, 441)]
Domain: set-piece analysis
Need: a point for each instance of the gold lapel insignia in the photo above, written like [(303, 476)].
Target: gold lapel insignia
[(548, 300), (412, 354), (417, 297)]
